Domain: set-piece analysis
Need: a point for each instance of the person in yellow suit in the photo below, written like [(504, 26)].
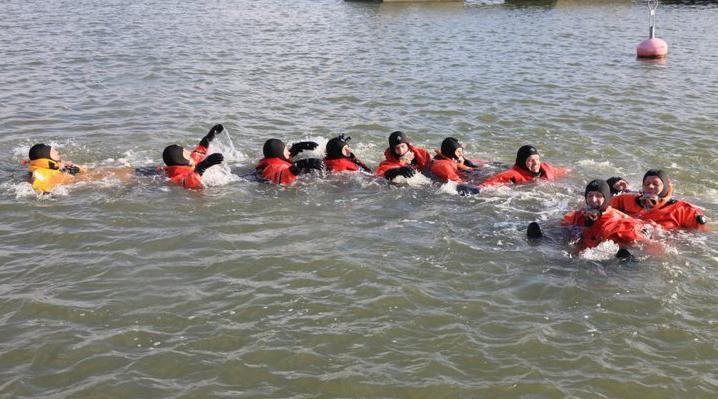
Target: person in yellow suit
[(47, 170)]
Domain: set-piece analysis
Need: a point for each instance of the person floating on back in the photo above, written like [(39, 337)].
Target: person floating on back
[(449, 163), (656, 203), (47, 170), (277, 165), (618, 185), (341, 158), (402, 158), (186, 168), (528, 167), (599, 222)]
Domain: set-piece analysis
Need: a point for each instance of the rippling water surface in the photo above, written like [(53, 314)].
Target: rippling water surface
[(345, 286)]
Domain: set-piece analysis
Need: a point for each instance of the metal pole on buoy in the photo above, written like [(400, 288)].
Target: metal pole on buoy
[(652, 47)]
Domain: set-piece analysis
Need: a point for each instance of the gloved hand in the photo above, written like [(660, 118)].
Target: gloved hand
[(405, 171), (216, 129), (357, 161), (466, 190), (469, 163), (211, 160), (306, 165), (71, 169), (701, 219), (296, 148)]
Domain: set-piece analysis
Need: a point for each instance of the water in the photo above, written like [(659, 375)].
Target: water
[(346, 287)]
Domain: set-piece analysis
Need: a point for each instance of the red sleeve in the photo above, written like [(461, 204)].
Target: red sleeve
[(574, 218), (504, 177), (384, 166), (687, 217), (444, 171), (193, 181), (279, 174), (423, 158), (199, 153)]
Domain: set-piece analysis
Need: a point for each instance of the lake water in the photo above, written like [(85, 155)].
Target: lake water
[(346, 286)]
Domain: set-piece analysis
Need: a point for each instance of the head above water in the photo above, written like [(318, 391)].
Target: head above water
[(528, 158), (175, 155), (597, 195), (338, 147), (450, 148), (656, 182), (43, 151), (275, 148), (617, 184), (399, 143)]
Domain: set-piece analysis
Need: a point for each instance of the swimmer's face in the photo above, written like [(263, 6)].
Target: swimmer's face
[(652, 185), (401, 149), (346, 151), (287, 154), (459, 154), (54, 154), (533, 163), (620, 186), (187, 154), (594, 199)]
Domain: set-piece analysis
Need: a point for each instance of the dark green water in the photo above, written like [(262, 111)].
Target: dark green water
[(347, 287)]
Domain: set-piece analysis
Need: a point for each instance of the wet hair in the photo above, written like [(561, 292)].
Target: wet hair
[(523, 154), (335, 147), (612, 182), (664, 178), (274, 148), (397, 138), (602, 187), (39, 151), (173, 155), (449, 147)]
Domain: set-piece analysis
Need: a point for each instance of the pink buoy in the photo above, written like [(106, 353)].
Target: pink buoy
[(652, 48)]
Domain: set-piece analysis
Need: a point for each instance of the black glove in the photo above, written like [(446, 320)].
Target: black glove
[(211, 160), (216, 129), (466, 190), (469, 163), (296, 148), (71, 169), (306, 165), (357, 161), (405, 171), (701, 219)]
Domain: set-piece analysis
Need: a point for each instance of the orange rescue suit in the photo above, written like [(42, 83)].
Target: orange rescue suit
[(341, 165), (184, 175), (672, 215), (446, 169), (612, 225), (518, 175), (276, 170), (422, 158)]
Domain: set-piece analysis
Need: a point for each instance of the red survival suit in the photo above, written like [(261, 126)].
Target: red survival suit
[(185, 175), (671, 215), (517, 175), (422, 159), (341, 165), (446, 169), (276, 170), (612, 225)]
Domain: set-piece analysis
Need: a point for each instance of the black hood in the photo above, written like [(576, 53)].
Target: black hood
[(602, 187), (449, 147), (664, 178), (274, 148), (523, 154), (335, 146), (612, 181), (173, 156), (39, 151), (397, 138)]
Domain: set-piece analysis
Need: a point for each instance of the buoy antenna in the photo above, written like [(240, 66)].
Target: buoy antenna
[(652, 5)]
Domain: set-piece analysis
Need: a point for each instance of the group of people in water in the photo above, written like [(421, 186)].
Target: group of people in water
[(612, 211)]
